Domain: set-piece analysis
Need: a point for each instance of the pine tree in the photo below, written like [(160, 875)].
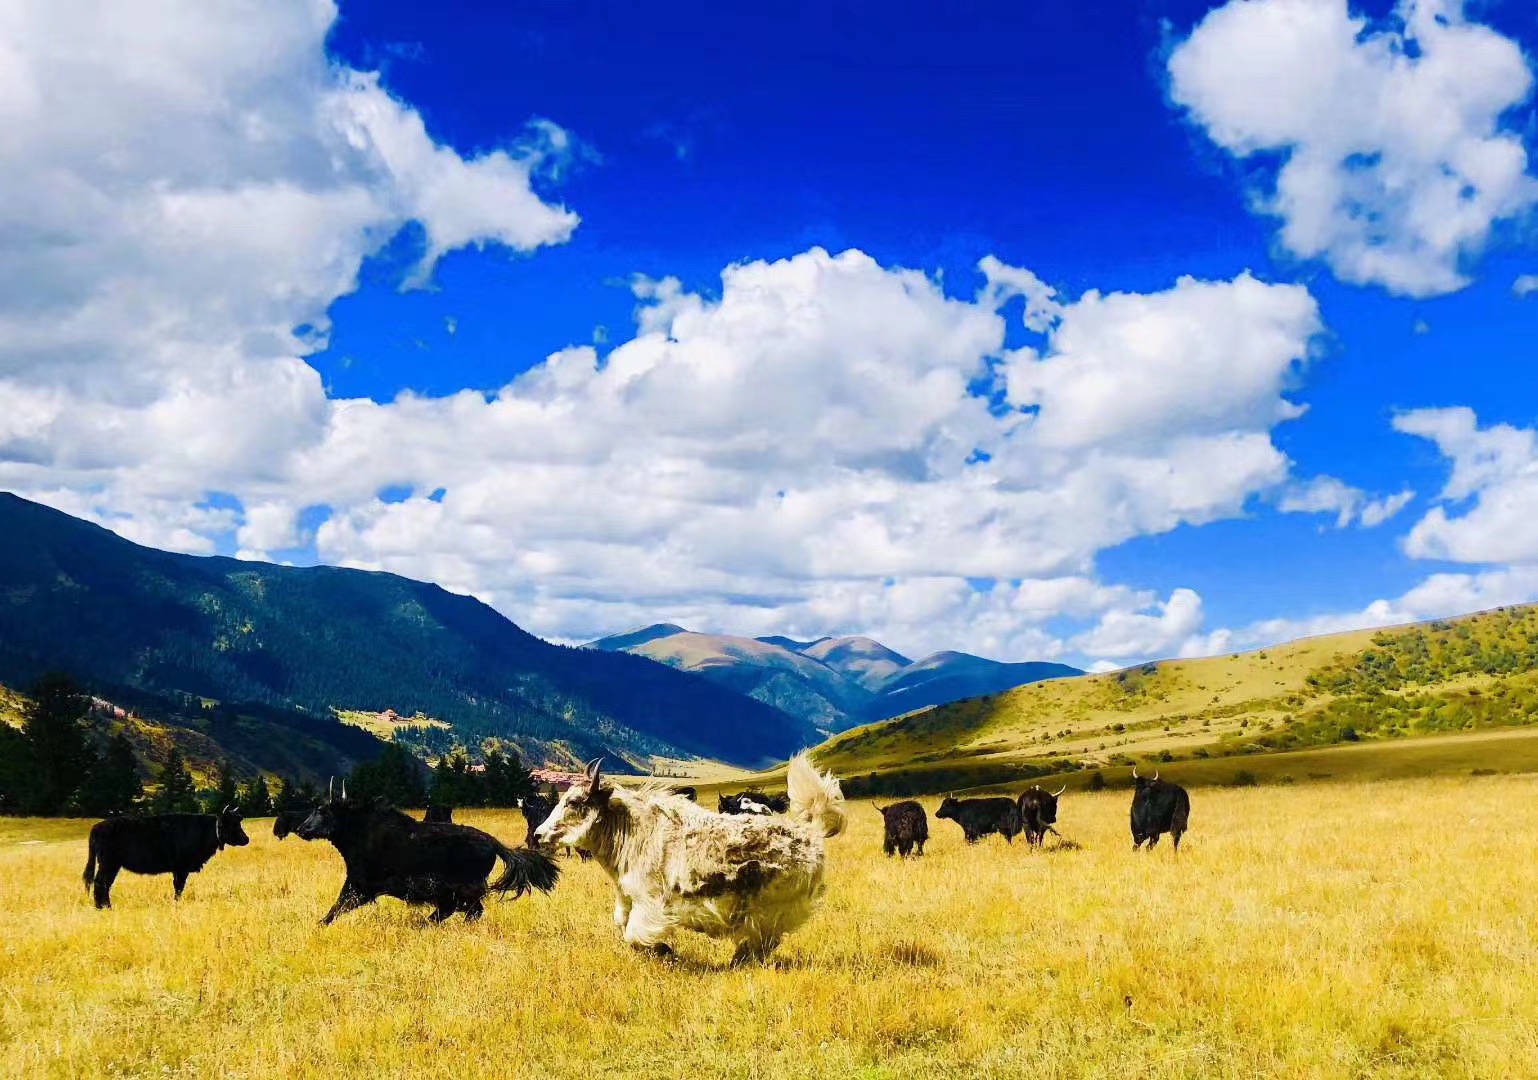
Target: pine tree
[(287, 798), (113, 785), (507, 780), (177, 795), (15, 757), (395, 775), (226, 793), (256, 802), (307, 795), (60, 758)]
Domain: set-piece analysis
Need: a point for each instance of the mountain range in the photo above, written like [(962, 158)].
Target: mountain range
[(286, 648), (834, 682)]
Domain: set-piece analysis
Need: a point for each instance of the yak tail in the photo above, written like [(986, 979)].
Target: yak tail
[(526, 869), (89, 876), (815, 797)]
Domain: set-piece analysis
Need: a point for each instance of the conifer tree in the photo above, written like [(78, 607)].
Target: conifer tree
[(227, 793), (59, 757), (177, 795), (113, 786), (256, 801)]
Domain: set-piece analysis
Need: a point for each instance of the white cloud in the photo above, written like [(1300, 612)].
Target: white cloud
[(1395, 163), (789, 447), (1130, 634), (1494, 468), (178, 192), (1525, 285), (1329, 495)]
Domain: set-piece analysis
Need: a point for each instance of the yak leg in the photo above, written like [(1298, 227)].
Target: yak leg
[(645, 927), (1153, 841), (179, 881), (621, 909), (755, 949), (346, 900), (470, 904), (1175, 839), (106, 873)]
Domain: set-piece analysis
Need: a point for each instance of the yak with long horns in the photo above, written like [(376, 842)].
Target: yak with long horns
[(1158, 807), (1038, 812)]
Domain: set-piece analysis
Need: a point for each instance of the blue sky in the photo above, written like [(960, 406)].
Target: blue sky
[(1109, 149)]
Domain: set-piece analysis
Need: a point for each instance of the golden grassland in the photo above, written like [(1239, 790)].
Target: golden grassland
[(1332, 930)]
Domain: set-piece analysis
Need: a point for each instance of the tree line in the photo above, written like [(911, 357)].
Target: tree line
[(56, 765)]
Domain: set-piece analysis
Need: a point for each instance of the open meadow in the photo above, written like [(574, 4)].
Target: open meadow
[(1385, 929)]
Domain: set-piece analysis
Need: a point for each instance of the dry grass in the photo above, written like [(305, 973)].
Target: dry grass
[(1334, 930)]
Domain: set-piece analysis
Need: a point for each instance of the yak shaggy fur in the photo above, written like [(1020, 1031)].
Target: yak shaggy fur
[(750, 878)]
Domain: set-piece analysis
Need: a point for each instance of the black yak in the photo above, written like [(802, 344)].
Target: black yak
[(1038, 812), (687, 792), (752, 802), (979, 817), (175, 844), (907, 827), (287, 821), (1158, 807), (390, 853), (536, 808)]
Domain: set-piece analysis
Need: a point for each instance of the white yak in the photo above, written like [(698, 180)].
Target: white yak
[(749, 878)]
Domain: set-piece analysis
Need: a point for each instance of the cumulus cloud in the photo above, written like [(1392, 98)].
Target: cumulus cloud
[(178, 194), (809, 446), (1395, 162), (1495, 473), (1525, 285), (1329, 495), (1123, 633)]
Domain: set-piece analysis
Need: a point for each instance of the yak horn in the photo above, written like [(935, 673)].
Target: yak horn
[(1134, 770), (1156, 774), (1059, 791), (344, 789), (594, 771), (331, 790)]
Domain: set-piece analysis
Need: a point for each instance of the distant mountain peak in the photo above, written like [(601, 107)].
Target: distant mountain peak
[(631, 639), (789, 643)]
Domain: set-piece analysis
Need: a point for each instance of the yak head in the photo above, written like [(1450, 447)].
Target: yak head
[(1047, 801), (339, 818), (725, 804), (227, 828), (1143, 783), (948, 807), (578, 810)]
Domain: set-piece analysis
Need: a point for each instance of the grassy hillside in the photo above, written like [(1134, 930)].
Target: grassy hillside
[(1367, 687), (118, 616), (253, 738), (1302, 932)]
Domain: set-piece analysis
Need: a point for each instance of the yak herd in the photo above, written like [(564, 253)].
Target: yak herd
[(751, 872)]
